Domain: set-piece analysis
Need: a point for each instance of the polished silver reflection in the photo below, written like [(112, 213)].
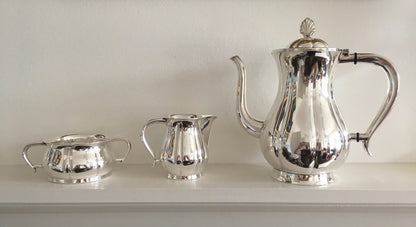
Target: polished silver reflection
[(304, 136), (184, 150), (77, 158)]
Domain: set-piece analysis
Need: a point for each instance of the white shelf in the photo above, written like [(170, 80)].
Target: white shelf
[(376, 185)]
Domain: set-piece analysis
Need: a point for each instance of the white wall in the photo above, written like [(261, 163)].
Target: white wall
[(109, 66)]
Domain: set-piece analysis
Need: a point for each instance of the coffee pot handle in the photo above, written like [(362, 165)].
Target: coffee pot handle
[(26, 149), (121, 160), (143, 136), (393, 88)]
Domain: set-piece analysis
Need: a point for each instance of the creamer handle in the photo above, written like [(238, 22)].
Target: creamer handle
[(143, 136), (392, 90)]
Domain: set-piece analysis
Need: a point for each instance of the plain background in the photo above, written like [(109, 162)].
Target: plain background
[(109, 66)]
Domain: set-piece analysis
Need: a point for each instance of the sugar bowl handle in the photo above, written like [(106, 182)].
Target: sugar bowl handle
[(393, 88), (121, 160), (26, 149), (143, 137)]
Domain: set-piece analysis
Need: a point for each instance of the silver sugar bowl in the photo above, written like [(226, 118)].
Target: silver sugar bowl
[(75, 158)]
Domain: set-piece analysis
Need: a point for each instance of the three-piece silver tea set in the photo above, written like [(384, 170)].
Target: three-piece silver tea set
[(303, 138)]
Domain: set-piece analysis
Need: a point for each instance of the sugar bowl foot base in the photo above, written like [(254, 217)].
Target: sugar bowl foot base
[(190, 177), (303, 179), (78, 181)]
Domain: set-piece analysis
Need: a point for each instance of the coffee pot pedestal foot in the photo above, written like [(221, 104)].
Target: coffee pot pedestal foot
[(303, 179), (190, 177)]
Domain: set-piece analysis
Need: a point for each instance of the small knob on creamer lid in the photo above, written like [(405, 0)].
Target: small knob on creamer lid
[(307, 28)]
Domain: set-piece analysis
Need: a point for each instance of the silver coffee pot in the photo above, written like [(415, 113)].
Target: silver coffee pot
[(184, 150), (304, 137)]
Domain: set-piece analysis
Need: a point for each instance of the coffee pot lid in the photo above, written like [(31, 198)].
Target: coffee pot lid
[(307, 28)]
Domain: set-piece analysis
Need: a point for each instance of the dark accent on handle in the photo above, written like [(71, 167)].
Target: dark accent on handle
[(393, 87)]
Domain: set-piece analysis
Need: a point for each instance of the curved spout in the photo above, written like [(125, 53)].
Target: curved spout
[(250, 124), (205, 123)]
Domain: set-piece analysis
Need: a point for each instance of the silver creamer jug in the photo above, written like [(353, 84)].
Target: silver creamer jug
[(304, 137), (184, 150)]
